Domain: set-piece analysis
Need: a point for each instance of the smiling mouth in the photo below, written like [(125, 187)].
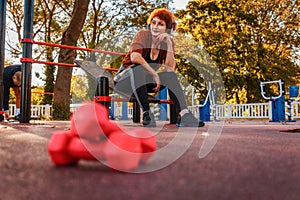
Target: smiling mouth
[(155, 31)]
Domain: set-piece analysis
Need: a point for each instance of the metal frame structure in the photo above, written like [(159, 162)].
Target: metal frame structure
[(27, 66), (27, 53), (2, 51)]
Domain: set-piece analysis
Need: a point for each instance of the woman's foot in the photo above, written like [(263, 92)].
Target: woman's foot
[(189, 120), (148, 119)]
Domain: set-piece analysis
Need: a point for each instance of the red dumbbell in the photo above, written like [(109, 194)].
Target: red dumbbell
[(121, 151), (90, 121), (65, 149), (148, 142), (57, 149)]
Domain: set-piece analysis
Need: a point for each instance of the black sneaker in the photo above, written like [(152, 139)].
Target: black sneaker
[(148, 119), (17, 117), (190, 120)]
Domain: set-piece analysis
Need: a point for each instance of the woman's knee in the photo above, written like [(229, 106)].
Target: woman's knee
[(168, 78)]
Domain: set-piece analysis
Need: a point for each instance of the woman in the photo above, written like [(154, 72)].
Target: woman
[(150, 50)]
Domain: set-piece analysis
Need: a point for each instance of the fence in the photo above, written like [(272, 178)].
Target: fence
[(218, 112), (37, 111), (294, 109), (243, 111)]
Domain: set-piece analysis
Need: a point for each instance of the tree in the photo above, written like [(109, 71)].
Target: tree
[(48, 25), (250, 41), (15, 14), (50, 17), (61, 103)]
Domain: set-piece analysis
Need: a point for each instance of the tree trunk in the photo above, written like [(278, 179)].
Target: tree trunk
[(61, 101)]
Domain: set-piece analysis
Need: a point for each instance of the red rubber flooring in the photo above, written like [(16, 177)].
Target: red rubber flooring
[(250, 160)]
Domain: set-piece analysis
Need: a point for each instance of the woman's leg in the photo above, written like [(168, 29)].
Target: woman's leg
[(133, 83), (185, 118), (170, 80)]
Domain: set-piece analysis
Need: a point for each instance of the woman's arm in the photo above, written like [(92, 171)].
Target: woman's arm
[(137, 58), (170, 62)]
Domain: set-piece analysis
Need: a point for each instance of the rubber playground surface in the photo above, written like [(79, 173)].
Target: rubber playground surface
[(251, 160)]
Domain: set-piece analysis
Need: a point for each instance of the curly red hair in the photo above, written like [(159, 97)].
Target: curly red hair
[(163, 14)]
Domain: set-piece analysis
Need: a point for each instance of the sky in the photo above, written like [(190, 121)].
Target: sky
[(180, 4)]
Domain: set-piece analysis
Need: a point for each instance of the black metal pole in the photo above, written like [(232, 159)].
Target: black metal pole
[(2, 51), (102, 91), (27, 65)]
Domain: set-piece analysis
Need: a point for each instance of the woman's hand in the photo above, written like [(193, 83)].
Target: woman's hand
[(164, 37), (157, 82)]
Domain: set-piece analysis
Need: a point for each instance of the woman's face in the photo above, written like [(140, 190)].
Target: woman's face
[(16, 82), (158, 26)]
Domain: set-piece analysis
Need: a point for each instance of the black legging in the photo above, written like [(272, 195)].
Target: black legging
[(136, 82)]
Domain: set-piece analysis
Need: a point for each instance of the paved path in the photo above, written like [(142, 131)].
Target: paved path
[(251, 160)]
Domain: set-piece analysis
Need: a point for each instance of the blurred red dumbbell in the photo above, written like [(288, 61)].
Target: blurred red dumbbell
[(58, 151), (65, 149), (120, 151), (127, 150), (90, 121), (123, 152), (148, 142)]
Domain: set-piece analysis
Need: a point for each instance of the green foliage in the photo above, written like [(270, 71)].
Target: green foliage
[(48, 25), (49, 84), (250, 41), (80, 89), (37, 96)]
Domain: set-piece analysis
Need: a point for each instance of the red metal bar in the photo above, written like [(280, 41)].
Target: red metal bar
[(54, 63), (166, 101), (119, 99), (102, 99), (26, 40), (111, 69), (42, 92), (126, 100), (60, 64), (28, 60)]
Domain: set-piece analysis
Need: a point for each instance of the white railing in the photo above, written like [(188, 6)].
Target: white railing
[(295, 110), (240, 111), (37, 111), (226, 111)]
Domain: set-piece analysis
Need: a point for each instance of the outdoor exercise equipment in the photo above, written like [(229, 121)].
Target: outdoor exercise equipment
[(105, 82), (102, 92), (205, 106), (2, 52), (293, 97), (278, 101)]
